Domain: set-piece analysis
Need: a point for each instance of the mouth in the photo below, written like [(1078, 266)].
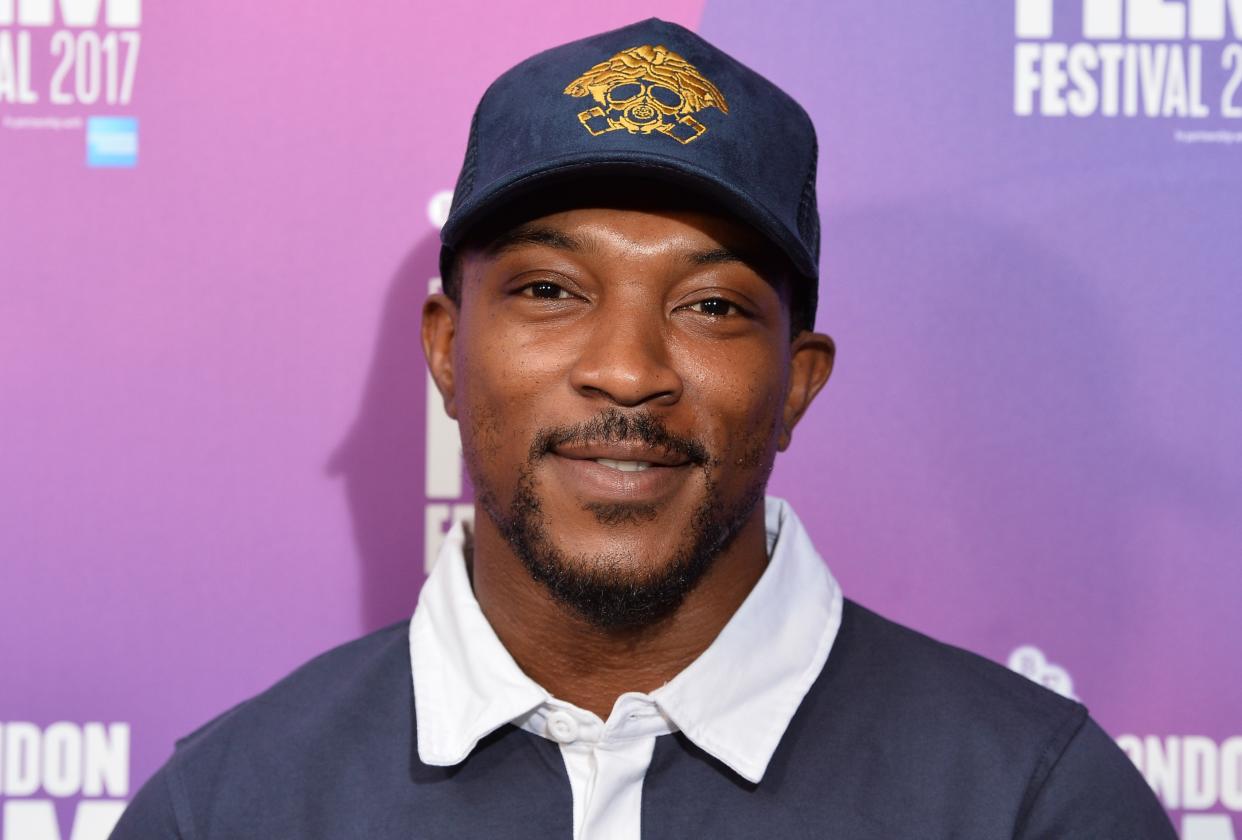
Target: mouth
[(619, 472), (619, 459), (626, 456), (623, 466)]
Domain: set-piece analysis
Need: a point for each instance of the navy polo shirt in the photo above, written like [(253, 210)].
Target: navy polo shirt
[(900, 737)]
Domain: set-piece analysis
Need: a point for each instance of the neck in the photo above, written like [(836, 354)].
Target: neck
[(588, 666)]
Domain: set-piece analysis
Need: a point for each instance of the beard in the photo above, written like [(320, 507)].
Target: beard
[(604, 588)]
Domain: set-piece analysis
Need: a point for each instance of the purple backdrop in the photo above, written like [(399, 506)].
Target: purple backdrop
[(219, 454)]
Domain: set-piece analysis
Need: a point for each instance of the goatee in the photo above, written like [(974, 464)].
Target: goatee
[(603, 589)]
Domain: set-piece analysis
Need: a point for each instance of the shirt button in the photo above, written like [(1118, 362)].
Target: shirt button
[(562, 727)]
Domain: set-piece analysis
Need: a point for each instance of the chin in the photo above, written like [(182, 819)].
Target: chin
[(615, 565), (625, 559)]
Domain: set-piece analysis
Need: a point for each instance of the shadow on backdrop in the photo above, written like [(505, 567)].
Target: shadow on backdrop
[(382, 458)]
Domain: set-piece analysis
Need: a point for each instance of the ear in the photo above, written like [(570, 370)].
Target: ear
[(809, 369), (439, 333)]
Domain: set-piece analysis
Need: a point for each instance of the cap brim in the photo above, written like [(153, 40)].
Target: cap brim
[(503, 193)]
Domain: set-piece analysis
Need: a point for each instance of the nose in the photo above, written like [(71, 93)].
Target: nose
[(625, 360)]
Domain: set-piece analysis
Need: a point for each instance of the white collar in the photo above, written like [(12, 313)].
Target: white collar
[(734, 702)]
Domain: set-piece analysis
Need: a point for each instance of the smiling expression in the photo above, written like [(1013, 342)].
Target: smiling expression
[(622, 379)]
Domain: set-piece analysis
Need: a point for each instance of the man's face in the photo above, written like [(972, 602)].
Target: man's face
[(622, 380)]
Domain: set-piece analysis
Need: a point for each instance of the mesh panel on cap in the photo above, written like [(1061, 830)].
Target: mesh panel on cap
[(465, 183), (808, 215)]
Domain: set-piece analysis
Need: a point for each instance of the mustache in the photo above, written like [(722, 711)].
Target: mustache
[(614, 426)]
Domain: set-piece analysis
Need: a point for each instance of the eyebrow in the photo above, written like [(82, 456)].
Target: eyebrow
[(716, 256)]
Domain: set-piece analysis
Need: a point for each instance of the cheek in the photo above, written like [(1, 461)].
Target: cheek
[(740, 399), (501, 382), (482, 432), (481, 380), (760, 451), (753, 442)]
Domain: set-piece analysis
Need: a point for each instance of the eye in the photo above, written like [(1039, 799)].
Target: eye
[(716, 307), (545, 290)]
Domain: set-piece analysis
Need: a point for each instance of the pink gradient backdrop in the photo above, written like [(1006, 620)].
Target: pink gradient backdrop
[(212, 397), (186, 346)]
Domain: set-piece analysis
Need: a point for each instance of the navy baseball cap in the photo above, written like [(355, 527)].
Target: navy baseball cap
[(651, 99)]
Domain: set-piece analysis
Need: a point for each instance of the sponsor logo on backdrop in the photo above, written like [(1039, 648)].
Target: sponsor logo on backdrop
[(1140, 59), (447, 503), (64, 780), (1196, 776), (1030, 662), (111, 141), (1197, 779), (65, 61)]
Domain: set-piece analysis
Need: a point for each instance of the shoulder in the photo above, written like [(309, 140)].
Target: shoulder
[(938, 684), (337, 728), (323, 693), (962, 743)]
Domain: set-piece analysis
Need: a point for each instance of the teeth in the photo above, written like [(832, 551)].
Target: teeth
[(624, 466)]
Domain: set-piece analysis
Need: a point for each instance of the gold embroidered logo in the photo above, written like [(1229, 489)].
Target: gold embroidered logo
[(646, 89)]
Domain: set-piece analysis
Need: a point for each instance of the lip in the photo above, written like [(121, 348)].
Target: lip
[(621, 451), (590, 481)]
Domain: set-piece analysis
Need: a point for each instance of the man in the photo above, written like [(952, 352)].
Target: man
[(631, 641)]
